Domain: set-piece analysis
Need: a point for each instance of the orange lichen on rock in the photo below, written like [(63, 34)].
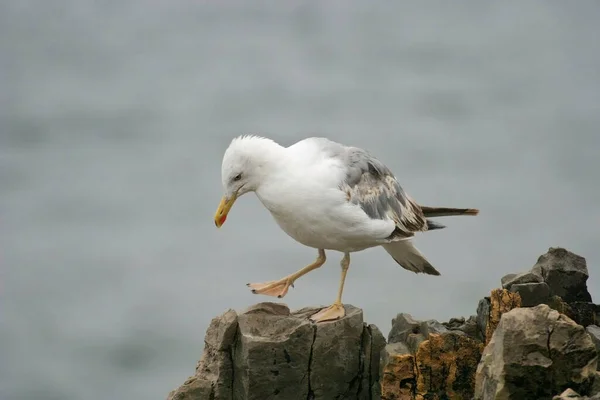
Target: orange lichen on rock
[(501, 301), (446, 364), (443, 367), (398, 381)]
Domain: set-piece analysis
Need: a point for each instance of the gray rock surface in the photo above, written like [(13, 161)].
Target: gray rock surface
[(565, 273), (506, 279), (403, 325), (483, 316), (469, 327), (414, 340), (268, 352), (584, 313), (214, 376), (595, 390), (272, 353), (568, 394), (532, 294), (594, 332), (429, 359), (535, 353), (559, 279), (432, 326), (515, 279)]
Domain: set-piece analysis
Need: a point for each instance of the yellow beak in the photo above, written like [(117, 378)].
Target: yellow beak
[(223, 210)]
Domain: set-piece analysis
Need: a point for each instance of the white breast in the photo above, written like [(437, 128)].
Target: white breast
[(308, 205)]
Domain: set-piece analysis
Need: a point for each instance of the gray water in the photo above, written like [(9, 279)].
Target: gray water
[(115, 115)]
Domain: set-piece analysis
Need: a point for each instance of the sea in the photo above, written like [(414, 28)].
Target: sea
[(114, 116)]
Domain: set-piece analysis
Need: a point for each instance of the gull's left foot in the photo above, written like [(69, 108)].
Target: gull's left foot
[(331, 313), (272, 288)]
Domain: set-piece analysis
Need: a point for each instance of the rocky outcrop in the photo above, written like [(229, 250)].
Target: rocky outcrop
[(536, 337), (594, 332), (565, 273), (535, 353), (570, 394), (430, 360), (501, 301), (403, 370), (558, 279), (269, 352)]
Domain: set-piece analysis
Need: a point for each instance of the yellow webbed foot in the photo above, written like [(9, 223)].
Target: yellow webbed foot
[(272, 288), (331, 313)]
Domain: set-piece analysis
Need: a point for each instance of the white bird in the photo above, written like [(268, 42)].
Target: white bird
[(330, 197)]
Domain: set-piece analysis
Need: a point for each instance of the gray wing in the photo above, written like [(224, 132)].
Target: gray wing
[(372, 186)]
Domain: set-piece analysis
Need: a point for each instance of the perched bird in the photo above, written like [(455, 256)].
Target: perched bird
[(330, 197)]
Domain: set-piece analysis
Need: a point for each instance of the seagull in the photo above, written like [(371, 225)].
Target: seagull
[(328, 196)]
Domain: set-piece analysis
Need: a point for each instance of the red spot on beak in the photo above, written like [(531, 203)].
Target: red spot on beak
[(222, 219)]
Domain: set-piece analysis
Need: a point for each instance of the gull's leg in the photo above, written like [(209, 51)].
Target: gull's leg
[(336, 310), (280, 287)]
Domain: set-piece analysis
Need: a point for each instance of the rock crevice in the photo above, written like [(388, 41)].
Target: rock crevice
[(310, 394)]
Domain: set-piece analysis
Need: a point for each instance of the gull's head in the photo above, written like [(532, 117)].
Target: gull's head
[(245, 164)]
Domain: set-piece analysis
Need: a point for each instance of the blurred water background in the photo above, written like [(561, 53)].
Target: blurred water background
[(115, 116)]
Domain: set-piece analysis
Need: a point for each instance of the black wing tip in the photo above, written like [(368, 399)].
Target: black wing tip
[(432, 225), (429, 270), (425, 268)]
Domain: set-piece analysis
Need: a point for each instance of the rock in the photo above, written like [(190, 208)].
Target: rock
[(535, 353), (398, 379), (565, 273), (531, 351), (372, 353), (595, 390), (559, 280), (214, 372), (594, 332), (432, 326), (567, 394), (454, 323), (506, 279), (501, 301), (468, 327), (402, 326), (335, 355), (273, 353), (483, 316), (430, 360), (269, 352), (584, 313), (570, 394), (414, 340), (516, 279), (532, 294), (446, 364)]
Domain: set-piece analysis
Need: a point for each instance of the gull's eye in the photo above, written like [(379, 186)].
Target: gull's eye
[(237, 177)]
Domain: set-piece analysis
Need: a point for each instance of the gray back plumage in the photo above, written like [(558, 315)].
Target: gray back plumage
[(372, 186)]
